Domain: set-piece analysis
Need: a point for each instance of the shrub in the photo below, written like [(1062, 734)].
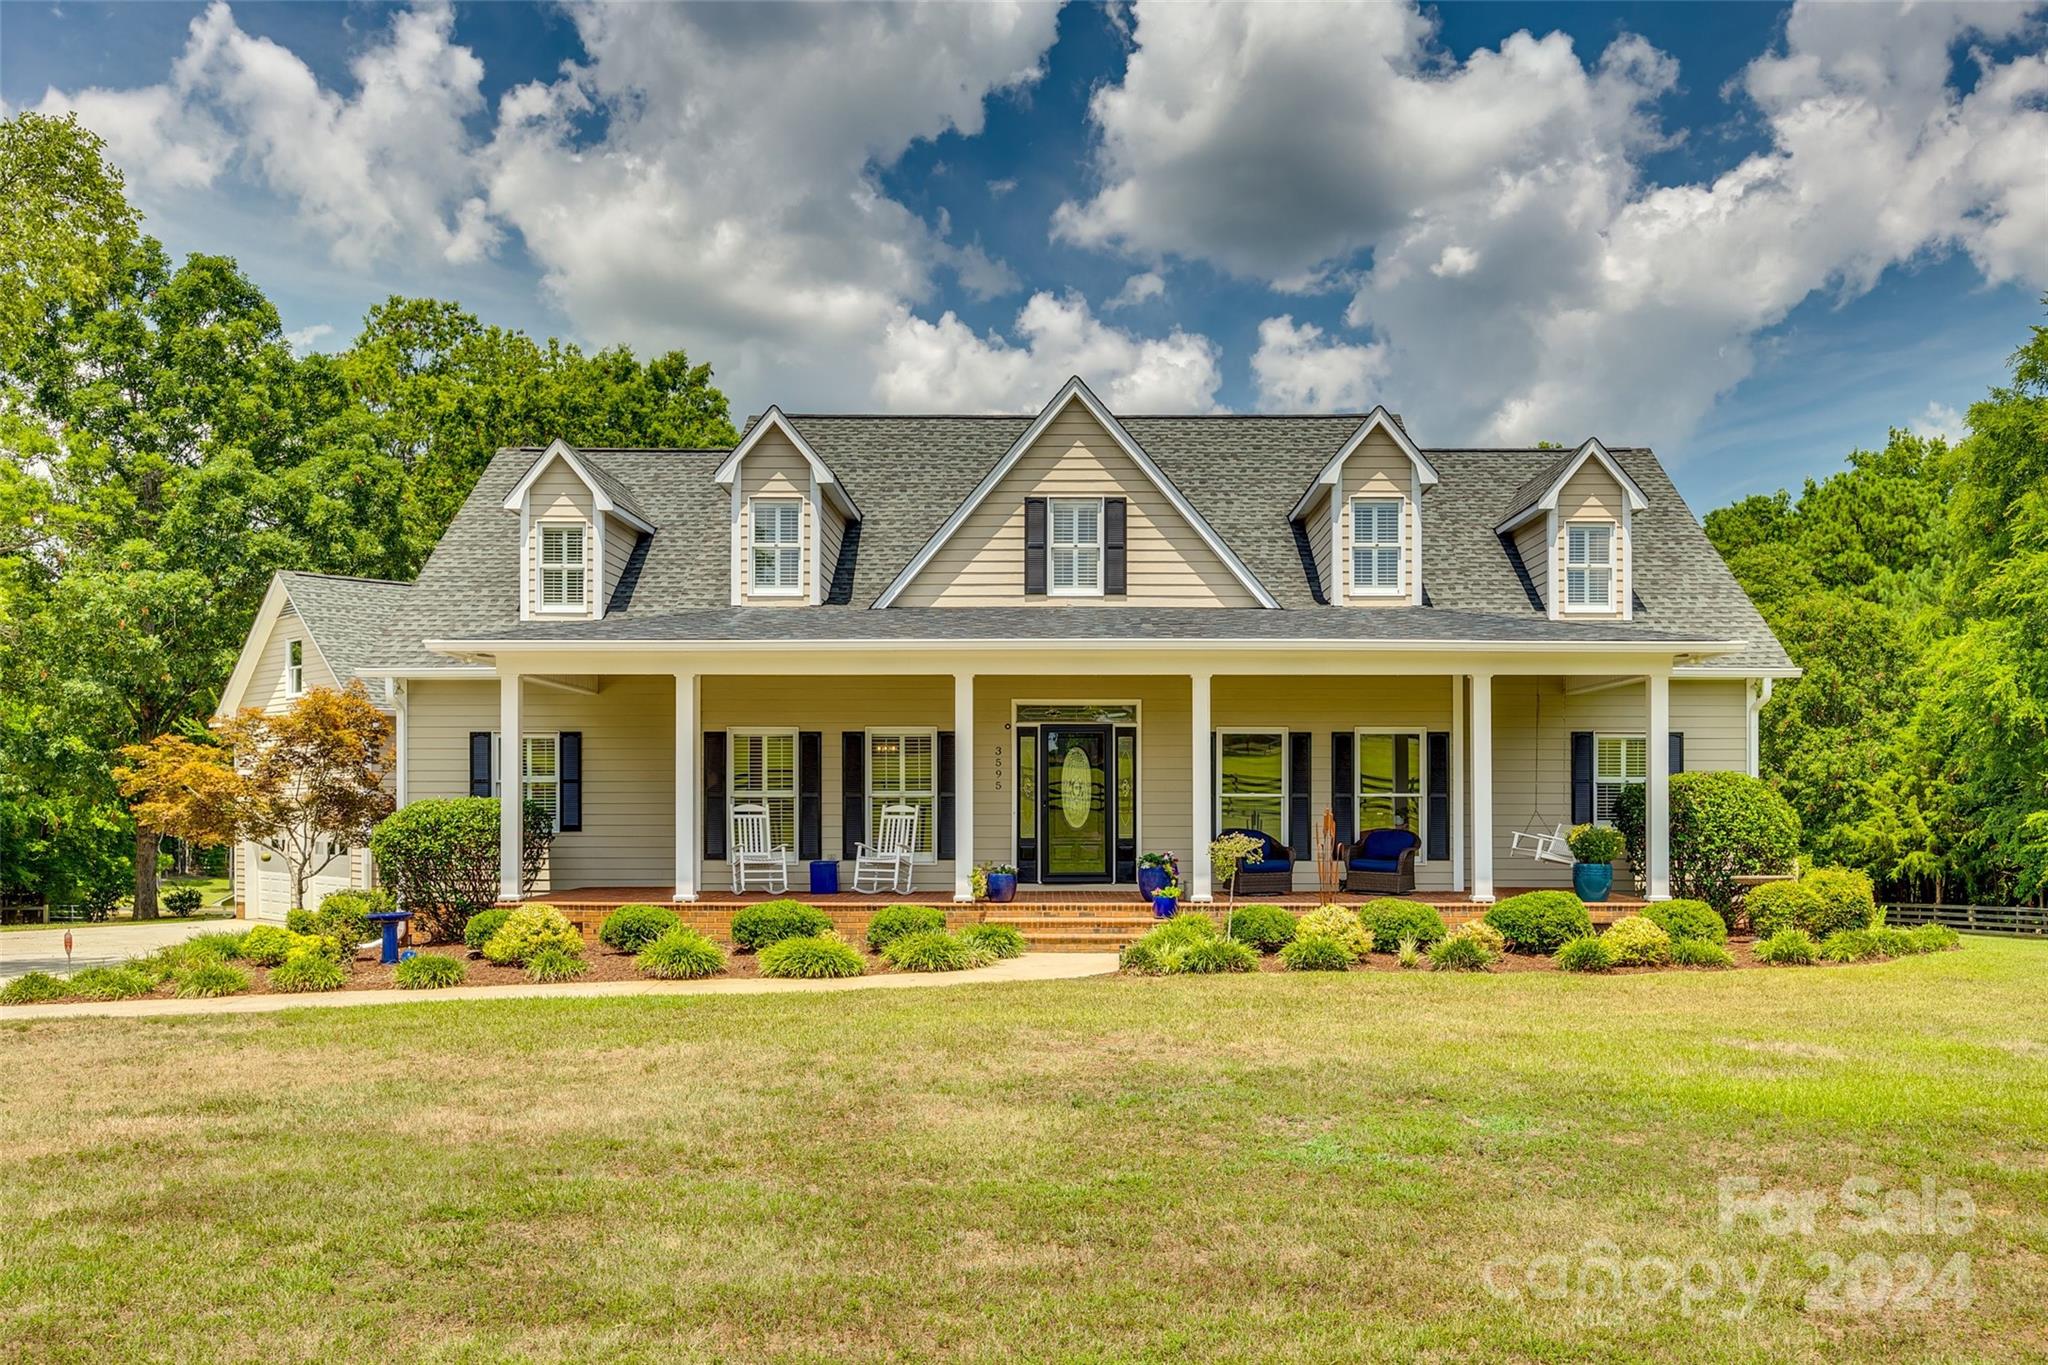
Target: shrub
[(1002, 940), (182, 900), (934, 950), (220, 943), (1637, 942), (1841, 900), (897, 921), (1488, 936), (632, 927), (1461, 953), (111, 983), (1317, 953), (1777, 906), (1335, 921), (1934, 938), (810, 955), (757, 926), (1540, 921), (556, 964), (308, 970), (481, 926), (1594, 843), (1159, 952), (346, 915), (32, 988), (1392, 919), (1587, 953), (529, 930), (1724, 825), (442, 856), (211, 979), (1217, 955), (430, 972), (1409, 955), (1684, 920), (267, 945), (1786, 948), (681, 955), (324, 945), (1700, 952), (1267, 928)]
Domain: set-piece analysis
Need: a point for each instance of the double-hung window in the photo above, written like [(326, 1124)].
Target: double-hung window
[(1589, 566), (1618, 761), (563, 585), (1390, 781), (763, 772), (1251, 781), (295, 668), (1074, 548), (778, 545), (903, 769), (1376, 545), (540, 772)]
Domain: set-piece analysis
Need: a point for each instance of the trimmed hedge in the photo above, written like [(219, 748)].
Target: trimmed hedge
[(1003, 940), (1683, 919), (1392, 919), (1267, 928), (1587, 953), (1317, 953), (934, 950), (1637, 942), (430, 972), (757, 926), (481, 926), (1842, 900), (529, 931), (811, 956), (681, 955), (632, 927), (898, 921), (267, 945), (1540, 921)]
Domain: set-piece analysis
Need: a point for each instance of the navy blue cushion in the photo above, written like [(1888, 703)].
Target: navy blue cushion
[(1389, 843), (1269, 850), (1375, 864), (1269, 865)]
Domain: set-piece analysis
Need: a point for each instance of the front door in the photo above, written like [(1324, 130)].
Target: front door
[(1075, 829)]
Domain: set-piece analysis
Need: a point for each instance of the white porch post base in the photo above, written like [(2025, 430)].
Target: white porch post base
[(1198, 869), (687, 785), (1482, 788), (963, 788), (511, 785), (1657, 801)]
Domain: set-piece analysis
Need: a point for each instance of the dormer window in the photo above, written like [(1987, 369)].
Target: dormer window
[(1589, 566), (564, 582), (778, 545), (1075, 549), (1376, 545)]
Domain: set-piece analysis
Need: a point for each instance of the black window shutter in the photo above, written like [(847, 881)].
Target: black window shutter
[(1438, 795), (1299, 744), (1114, 573), (1582, 777), (945, 830), (810, 794), (1034, 547), (714, 794), (569, 767), (853, 792), (479, 762), (1343, 796), (1678, 751)]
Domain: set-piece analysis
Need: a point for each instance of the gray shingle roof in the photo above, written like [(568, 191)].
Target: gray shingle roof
[(347, 617), (1242, 473), (1531, 493)]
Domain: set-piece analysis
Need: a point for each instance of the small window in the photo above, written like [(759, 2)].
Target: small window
[(778, 545), (541, 776), (295, 668), (903, 767), (1589, 566), (1390, 782), (562, 575), (1376, 545), (1075, 547), (763, 771), (1251, 780), (1618, 761)]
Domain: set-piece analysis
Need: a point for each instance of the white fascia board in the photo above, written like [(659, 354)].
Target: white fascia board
[(728, 470), (1591, 450), (559, 449), (1070, 391), (1379, 419), (1731, 673), (274, 599)]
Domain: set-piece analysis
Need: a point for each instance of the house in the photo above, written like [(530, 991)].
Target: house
[(1065, 639)]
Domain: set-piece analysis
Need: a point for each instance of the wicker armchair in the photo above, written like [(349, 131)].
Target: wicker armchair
[(1383, 861), (1269, 874)]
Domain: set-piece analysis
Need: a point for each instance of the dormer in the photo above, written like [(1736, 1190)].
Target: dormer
[(1363, 517), (578, 527), (1572, 526), (790, 514)]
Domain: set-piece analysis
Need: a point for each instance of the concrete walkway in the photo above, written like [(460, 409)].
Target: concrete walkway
[(96, 945), (1030, 967)]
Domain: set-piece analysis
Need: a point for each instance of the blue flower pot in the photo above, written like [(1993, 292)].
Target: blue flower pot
[(1592, 880), (1150, 879), (1164, 906), (1002, 887)]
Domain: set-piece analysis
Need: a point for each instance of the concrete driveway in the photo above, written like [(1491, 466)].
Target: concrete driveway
[(94, 945)]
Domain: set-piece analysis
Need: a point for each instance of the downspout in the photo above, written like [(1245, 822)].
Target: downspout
[(1760, 694)]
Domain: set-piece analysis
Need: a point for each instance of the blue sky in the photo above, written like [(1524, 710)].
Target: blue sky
[(1751, 235)]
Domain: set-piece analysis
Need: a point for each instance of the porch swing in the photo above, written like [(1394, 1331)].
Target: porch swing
[(1531, 841)]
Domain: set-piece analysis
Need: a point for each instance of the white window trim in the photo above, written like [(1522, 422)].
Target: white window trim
[(1623, 781), (1613, 567), (541, 606), (295, 667), (1421, 738), (930, 835), (733, 796), (1286, 772), (1100, 546), (553, 737), (1400, 546), (754, 543)]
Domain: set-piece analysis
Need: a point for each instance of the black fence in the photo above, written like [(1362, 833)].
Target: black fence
[(2028, 920)]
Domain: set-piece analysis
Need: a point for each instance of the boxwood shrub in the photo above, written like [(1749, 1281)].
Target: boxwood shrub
[(430, 972), (1684, 919), (267, 945), (934, 950), (757, 926), (182, 901), (1637, 942), (1267, 928), (1586, 953), (481, 926), (632, 927), (307, 969), (811, 955), (1392, 919), (1699, 952), (896, 921), (1540, 921), (1338, 922), (210, 979), (1317, 953), (532, 929), (1003, 940), (1786, 948), (1842, 899), (32, 988), (681, 955)]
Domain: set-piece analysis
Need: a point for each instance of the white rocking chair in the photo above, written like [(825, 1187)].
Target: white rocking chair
[(1544, 848), (887, 861), (755, 856)]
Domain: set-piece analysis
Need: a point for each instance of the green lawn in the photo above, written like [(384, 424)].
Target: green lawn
[(1287, 1167)]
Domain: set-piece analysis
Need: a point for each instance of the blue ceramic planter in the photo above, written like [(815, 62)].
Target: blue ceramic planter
[(1150, 879), (1592, 880), (1164, 906), (1002, 887)]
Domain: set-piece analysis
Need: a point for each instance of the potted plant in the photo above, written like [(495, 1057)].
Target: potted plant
[(1596, 847), (1000, 880), (1154, 871), (1166, 900)]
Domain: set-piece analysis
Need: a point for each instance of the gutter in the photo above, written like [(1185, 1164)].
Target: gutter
[(465, 648)]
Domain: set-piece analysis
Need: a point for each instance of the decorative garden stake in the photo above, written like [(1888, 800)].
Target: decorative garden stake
[(67, 950)]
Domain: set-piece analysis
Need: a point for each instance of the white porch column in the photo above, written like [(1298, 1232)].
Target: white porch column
[(1457, 782), (511, 784), (1482, 788), (963, 788), (1196, 868), (1657, 801), (688, 842)]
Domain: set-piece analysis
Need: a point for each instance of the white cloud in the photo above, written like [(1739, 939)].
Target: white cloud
[(1456, 261), (306, 339), (1140, 288), (1297, 370), (945, 366), (998, 188), (1942, 420)]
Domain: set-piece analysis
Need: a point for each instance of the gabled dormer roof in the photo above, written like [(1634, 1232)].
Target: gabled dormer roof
[(773, 420), (1076, 391), (1539, 494), (1378, 420), (607, 494), (345, 619)]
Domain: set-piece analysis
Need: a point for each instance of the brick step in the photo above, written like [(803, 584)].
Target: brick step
[(1077, 943), (1099, 910), (1026, 924)]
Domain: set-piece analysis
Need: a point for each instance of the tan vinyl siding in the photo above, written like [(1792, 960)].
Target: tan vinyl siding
[(832, 529), (1378, 469), (1316, 522), (1532, 542), (982, 564), (1592, 494), (620, 540), (775, 468), (557, 498)]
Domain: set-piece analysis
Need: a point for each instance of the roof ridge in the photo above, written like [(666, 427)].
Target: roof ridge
[(350, 578)]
